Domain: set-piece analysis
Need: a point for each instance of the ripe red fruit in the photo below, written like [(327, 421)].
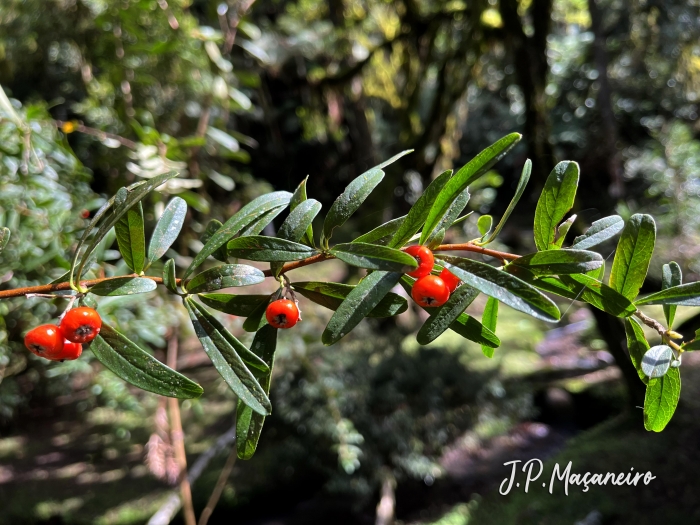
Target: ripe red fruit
[(451, 280), (45, 341), (282, 313), (70, 351), (81, 325), (425, 260), (430, 291)]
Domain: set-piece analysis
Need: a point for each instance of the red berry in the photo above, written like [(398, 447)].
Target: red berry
[(45, 341), (451, 280), (282, 313), (85, 214), (81, 325), (70, 351), (425, 260), (430, 291)]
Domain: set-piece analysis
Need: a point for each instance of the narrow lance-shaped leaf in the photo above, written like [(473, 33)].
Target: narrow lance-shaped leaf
[(419, 211), (563, 230), (269, 249), (374, 257), (489, 320), (522, 183), (683, 295), (352, 197), (256, 319), (503, 286), (661, 400), (247, 356), (358, 303), (637, 346), (450, 218), (671, 276), (599, 295), (245, 216), (259, 224), (227, 362), (224, 277), (167, 229), (442, 317), (137, 367), (331, 296), (464, 325), (131, 238), (558, 262), (633, 254), (296, 226), (556, 200), (298, 197), (470, 172), (249, 424), (600, 231), (484, 224), (238, 305), (124, 286), (123, 202), (169, 279), (383, 233)]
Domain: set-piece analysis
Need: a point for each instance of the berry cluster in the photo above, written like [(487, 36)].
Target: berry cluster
[(430, 290), (65, 341)]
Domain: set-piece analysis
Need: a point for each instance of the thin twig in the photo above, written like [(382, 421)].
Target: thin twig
[(98, 133), (178, 440), (662, 331), (219, 488)]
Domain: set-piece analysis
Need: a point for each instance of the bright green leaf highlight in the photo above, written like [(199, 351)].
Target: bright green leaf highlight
[(556, 200), (634, 250), (167, 229), (522, 183), (671, 276), (600, 231), (637, 345), (661, 400), (489, 319)]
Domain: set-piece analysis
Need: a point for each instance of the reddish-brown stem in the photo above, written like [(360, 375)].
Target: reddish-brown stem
[(469, 247)]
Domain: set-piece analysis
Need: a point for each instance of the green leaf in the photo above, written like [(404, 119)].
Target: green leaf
[(661, 400), (256, 319), (124, 286), (167, 229), (247, 356), (249, 424), (259, 224), (352, 197), (450, 218), (382, 234), (599, 274), (502, 286), (298, 197), (470, 172), (522, 183), (4, 238), (683, 295), (244, 217), (633, 254), (358, 303), (238, 305), (214, 226), (637, 345), (332, 295), (299, 220), (562, 230), (269, 249), (556, 200), (419, 211), (139, 368), (671, 276), (224, 276), (656, 361), (131, 238), (548, 284), (600, 231), (489, 320), (169, 279), (558, 262), (374, 257), (442, 317), (599, 295), (227, 361), (484, 224), (123, 201)]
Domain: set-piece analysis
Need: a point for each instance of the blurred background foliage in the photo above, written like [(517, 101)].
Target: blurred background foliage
[(243, 97)]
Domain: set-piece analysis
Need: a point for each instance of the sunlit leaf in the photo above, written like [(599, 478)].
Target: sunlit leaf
[(238, 305), (661, 400), (522, 183), (489, 319), (558, 262), (261, 248), (637, 346), (167, 229), (124, 286), (442, 317), (224, 277), (374, 257), (633, 254), (556, 200), (331, 295), (600, 231)]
